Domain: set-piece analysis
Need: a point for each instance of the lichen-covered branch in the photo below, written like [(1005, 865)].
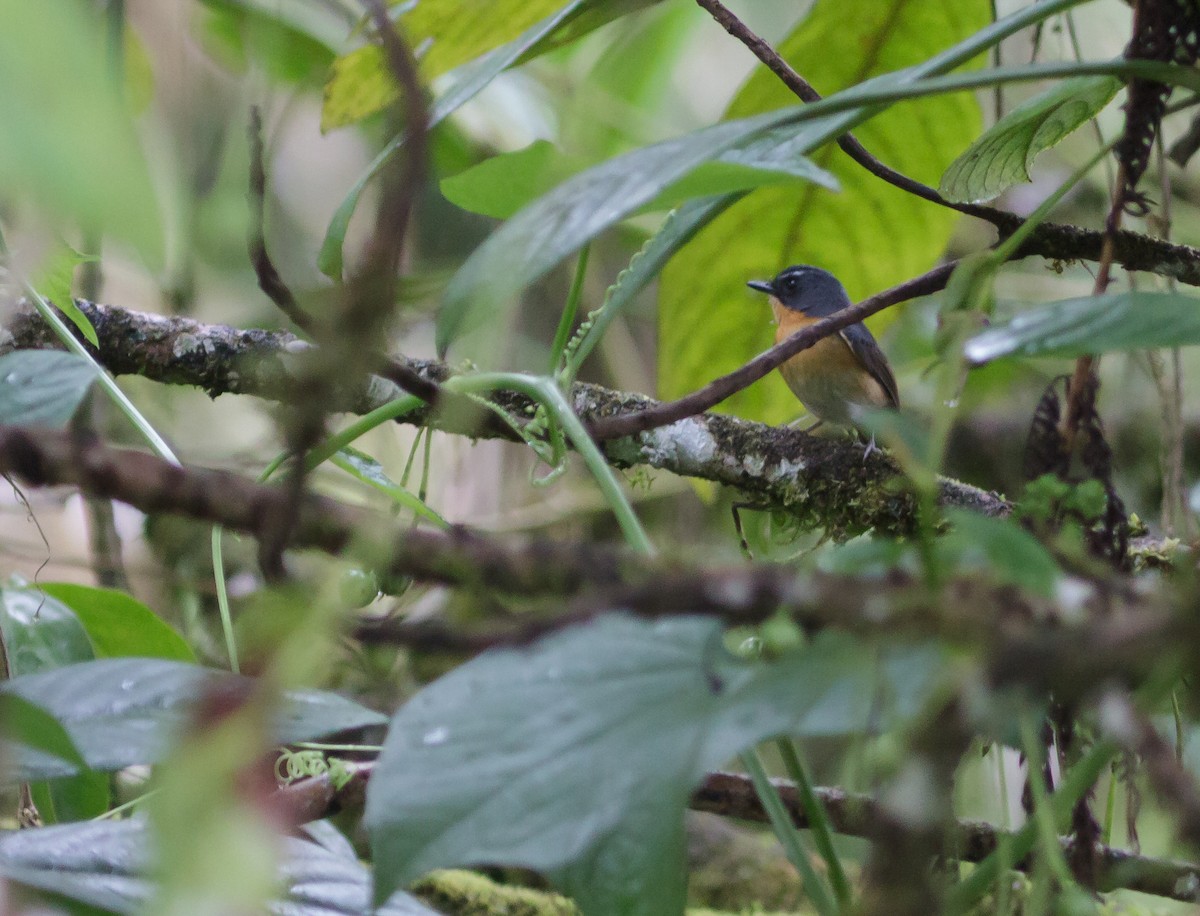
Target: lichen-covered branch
[(824, 482)]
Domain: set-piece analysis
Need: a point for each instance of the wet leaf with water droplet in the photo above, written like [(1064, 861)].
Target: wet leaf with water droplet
[(577, 756), (125, 711), (42, 387)]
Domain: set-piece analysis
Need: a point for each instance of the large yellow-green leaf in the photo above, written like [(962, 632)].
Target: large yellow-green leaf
[(871, 235), (449, 33)]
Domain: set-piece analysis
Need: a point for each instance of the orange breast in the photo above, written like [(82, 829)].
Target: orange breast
[(827, 377)]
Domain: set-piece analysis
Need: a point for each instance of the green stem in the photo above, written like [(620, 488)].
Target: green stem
[(1081, 777), (558, 360), (1110, 809), (818, 821), (50, 315), (218, 561), (546, 392), (789, 835), (1045, 819), (1009, 246)]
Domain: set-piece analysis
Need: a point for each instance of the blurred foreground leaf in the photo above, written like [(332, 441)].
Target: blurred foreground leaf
[(69, 143), (577, 756), (502, 185), (1092, 324), (105, 864)]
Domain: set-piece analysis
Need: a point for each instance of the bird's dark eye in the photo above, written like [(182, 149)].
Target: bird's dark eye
[(790, 284)]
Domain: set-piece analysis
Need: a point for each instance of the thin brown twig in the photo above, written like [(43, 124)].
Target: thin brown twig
[(849, 144), (351, 343), (269, 279)]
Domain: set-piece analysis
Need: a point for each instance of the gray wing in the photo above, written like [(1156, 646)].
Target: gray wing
[(862, 344)]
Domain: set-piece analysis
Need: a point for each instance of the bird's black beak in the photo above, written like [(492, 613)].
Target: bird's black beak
[(763, 286)]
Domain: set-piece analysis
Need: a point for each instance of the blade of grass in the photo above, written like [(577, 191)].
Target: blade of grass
[(818, 820), (789, 836)]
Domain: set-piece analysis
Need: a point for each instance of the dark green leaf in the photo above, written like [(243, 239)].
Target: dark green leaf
[(27, 723), (577, 756), (105, 863), (40, 633), (118, 625), (42, 387), (1002, 156), (74, 798), (1092, 324), (121, 711), (502, 185)]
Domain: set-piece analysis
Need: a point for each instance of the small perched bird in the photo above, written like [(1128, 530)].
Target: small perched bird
[(842, 375)]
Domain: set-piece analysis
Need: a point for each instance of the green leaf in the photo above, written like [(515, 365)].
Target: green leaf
[(502, 185), (55, 281), (291, 42), (81, 797), (577, 756), (560, 222), (871, 235), (1002, 156), (27, 723), (626, 98), (369, 471), (40, 633), (1092, 324), (1012, 554), (677, 230), (324, 24), (106, 864), (118, 625), (42, 387), (67, 99), (465, 83), (125, 711), (453, 32)]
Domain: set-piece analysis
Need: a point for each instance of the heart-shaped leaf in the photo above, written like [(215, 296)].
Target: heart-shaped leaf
[(577, 756)]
